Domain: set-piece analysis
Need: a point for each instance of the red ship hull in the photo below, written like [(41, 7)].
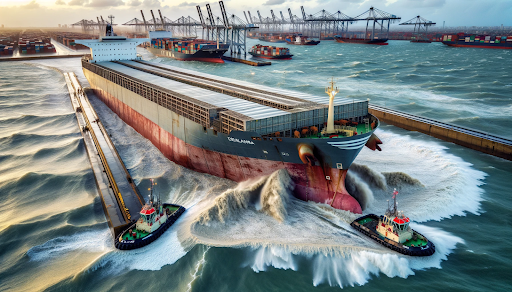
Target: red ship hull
[(310, 182), (479, 46)]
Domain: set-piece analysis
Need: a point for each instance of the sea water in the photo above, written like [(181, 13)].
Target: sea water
[(254, 236)]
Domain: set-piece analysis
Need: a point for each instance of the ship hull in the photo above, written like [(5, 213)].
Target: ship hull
[(307, 43), (211, 56), (502, 46), (237, 156), (280, 57), (381, 42)]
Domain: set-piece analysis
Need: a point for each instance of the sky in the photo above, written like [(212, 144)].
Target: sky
[(51, 13)]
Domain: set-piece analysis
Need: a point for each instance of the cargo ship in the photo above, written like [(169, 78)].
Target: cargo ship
[(393, 231), (270, 52), (272, 38), (356, 40), (163, 45), (478, 41), (301, 40), (235, 129)]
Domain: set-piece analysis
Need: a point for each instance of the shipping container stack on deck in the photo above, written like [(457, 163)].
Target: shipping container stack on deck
[(270, 52), (35, 42), (8, 42), (183, 46)]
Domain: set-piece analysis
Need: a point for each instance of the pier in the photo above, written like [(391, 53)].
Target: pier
[(120, 198), (469, 138), (40, 57)]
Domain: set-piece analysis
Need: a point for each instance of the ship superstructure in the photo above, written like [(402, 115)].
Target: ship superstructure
[(236, 129)]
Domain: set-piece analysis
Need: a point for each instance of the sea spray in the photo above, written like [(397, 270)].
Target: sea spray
[(275, 194), (399, 179), (268, 194), (359, 190), (370, 176)]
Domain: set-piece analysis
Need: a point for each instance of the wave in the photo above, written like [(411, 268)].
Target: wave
[(26, 139), (353, 64), (287, 71), (433, 184), (268, 194), (90, 241), (355, 267), (399, 179)]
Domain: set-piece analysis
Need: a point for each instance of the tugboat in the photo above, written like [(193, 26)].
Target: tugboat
[(393, 231), (155, 218), (269, 52)]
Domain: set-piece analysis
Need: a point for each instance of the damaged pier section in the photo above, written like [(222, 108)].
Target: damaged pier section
[(120, 198)]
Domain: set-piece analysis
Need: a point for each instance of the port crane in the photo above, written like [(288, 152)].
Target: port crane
[(377, 17), (421, 26)]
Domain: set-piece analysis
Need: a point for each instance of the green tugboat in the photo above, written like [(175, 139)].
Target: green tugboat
[(393, 231), (155, 218)]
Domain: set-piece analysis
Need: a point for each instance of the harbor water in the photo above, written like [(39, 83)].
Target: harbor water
[(254, 236)]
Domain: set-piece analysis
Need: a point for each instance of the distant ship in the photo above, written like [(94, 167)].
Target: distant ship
[(270, 52), (355, 40), (478, 41), (163, 45), (300, 40), (272, 38)]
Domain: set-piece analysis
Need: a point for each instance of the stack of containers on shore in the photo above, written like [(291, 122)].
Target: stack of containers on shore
[(35, 42), (8, 42)]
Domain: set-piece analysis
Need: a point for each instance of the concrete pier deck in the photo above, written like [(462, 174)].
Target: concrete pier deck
[(470, 138), (119, 196)]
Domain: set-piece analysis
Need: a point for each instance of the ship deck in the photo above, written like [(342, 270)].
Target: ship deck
[(244, 107)]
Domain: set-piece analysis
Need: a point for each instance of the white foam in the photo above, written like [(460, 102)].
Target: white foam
[(355, 267), (90, 241), (272, 256), (451, 185)]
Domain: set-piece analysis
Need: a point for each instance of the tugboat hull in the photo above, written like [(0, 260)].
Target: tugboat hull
[(427, 250), (140, 242)]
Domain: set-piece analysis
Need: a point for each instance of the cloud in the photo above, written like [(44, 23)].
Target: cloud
[(32, 5), (425, 3), (190, 4), (274, 2), (152, 3), (105, 3), (77, 2), (60, 2), (133, 3)]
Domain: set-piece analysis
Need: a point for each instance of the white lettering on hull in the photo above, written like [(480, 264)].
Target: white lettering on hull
[(230, 139)]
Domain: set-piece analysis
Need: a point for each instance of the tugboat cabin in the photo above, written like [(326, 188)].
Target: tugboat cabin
[(395, 228)]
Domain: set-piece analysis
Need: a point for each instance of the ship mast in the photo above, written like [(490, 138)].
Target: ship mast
[(331, 91)]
